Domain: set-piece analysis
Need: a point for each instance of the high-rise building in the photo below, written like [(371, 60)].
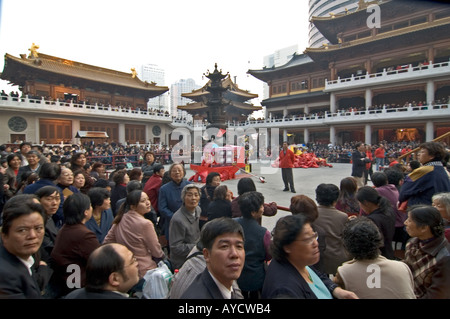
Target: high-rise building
[(326, 8), (153, 73), (178, 88), (276, 59)]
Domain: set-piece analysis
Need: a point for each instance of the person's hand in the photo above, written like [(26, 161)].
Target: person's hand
[(344, 294)]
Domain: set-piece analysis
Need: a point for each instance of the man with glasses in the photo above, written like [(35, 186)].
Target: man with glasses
[(111, 272)]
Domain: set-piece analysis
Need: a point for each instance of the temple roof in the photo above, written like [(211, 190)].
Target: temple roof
[(297, 61), (418, 34), (202, 93), (219, 100), (60, 66), (331, 26)]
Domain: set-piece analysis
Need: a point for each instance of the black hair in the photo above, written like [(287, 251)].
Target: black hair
[(216, 227), (100, 265), (371, 195), (245, 184), (74, 207), (285, 232), (97, 195), (46, 191), (327, 194), (50, 171), (379, 179), (424, 215), (19, 209), (362, 238), (250, 202), (210, 177)]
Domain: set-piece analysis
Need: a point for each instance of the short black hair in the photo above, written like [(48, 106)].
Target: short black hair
[(97, 195), (19, 209), (74, 207), (327, 194), (379, 179), (362, 239), (245, 184), (101, 263), (216, 227), (250, 202)]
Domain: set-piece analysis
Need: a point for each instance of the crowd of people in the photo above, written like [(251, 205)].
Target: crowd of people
[(71, 231)]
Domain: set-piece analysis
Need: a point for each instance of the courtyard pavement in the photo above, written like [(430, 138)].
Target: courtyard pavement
[(305, 180)]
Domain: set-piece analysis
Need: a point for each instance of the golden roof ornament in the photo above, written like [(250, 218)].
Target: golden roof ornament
[(33, 51), (133, 73)]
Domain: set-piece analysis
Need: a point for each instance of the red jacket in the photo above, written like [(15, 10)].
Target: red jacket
[(151, 188), (287, 160), (380, 152)]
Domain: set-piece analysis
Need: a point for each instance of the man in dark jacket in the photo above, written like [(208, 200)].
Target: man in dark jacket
[(359, 160), (22, 235), (223, 242), (111, 272)]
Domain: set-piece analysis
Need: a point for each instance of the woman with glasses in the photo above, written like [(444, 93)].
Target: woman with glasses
[(368, 274), (184, 228), (294, 249)]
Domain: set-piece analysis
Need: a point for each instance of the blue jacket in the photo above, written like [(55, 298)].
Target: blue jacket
[(423, 183), (169, 201), (105, 224)]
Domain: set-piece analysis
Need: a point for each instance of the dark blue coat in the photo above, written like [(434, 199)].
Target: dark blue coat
[(420, 185)]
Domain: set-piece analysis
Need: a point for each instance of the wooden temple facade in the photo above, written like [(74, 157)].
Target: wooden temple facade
[(60, 97), (371, 81)]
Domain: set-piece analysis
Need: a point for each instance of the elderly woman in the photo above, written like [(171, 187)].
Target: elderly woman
[(169, 197), (429, 179), (427, 253), (132, 229), (442, 202), (368, 270), (184, 229), (290, 274)]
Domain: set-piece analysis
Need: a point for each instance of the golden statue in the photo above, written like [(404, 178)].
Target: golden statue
[(33, 51), (133, 73)]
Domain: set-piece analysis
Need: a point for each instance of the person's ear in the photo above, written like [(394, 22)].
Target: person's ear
[(206, 254), (114, 279)]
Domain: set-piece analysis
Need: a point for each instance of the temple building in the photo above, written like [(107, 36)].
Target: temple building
[(60, 98), (220, 101), (382, 74)]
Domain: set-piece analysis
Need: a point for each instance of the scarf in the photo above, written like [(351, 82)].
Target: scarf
[(422, 265)]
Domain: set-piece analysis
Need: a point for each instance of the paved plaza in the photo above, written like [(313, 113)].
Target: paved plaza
[(305, 180)]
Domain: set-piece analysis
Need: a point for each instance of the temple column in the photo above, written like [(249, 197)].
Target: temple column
[(122, 133), (430, 92), (285, 137), (306, 136), (332, 135), (333, 102), (368, 134), (75, 128), (368, 98), (429, 129)]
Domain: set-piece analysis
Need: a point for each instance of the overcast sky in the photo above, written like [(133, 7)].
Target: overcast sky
[(184, 37)]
